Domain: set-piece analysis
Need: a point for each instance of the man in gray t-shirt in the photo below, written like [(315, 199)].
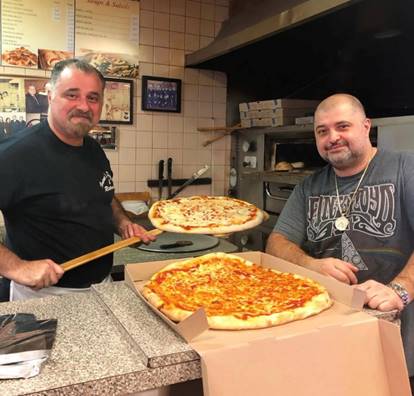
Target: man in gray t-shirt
[(354, 219)]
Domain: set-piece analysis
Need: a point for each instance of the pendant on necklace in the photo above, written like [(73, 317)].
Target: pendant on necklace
[(341, 223)]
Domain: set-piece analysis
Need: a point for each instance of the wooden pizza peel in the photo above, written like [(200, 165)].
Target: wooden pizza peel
[(86, 258)]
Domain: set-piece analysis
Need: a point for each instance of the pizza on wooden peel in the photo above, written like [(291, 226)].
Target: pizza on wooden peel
[(205, 215)]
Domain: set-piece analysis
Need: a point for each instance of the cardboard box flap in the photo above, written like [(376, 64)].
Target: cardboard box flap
[(334, 360), (396, 367)]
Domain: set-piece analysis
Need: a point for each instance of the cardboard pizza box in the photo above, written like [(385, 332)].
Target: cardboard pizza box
[(341, 351)]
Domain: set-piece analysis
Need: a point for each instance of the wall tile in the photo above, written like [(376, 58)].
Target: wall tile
[(191, 76), (177, 7), (205, 109), (126, 187), (146, 19), (161, 70), (144, 122), (206, 77), (162, 5), (205, 93), (207, 11), (159, 154), (160, 123), (126, 156), (161, 38), (161, 21), (175, 140), (176, 57), (146, 4), (219, 94), (219, 110), (177, 40), (142, 172), (190, 92), (126, 173), (146, 53), (141, 186), (177, 23), (127, 138), (192, 25), (143, 140), (207, 28), (160, 140), (175, 123), (190, 125), (193, 9), (192, 42), (190, 108), (146, 36), (143, 156), (162, 55), (190, 141), (113, 157), (146, 69), (177, 72)]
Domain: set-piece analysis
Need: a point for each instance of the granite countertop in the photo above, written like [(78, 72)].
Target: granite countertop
[(111, 346)]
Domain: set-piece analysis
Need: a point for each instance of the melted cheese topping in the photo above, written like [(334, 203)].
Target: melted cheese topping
[(205, 211), (226, 286)]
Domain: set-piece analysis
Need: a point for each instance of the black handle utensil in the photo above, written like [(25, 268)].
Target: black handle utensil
[(160, 178), (169, 176)]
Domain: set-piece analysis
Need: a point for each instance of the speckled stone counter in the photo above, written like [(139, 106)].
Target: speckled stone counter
[(108, 343)]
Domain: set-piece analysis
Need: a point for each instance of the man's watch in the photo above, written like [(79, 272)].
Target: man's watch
[(401, 291)]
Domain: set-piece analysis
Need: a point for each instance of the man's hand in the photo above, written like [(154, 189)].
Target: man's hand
[(381, 297), (37, 274), (338, 269), (130, 229)]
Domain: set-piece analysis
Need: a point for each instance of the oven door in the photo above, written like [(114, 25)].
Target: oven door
[(275, 196)]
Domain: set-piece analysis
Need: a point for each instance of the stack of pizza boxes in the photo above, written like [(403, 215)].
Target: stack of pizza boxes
[(275, 112), (340, 351)]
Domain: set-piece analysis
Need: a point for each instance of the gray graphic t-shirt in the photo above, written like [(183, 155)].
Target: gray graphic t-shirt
[(380, 236)]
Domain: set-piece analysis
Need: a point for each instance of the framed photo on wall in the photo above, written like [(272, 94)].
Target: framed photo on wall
[(117, 107), (161, 94)]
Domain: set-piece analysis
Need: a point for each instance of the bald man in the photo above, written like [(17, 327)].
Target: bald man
[(354, 219)]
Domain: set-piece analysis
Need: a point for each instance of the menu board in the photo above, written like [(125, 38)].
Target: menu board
[(36, 33), (107, 35)]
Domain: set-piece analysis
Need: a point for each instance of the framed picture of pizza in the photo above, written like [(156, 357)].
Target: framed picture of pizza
[(118, 97)]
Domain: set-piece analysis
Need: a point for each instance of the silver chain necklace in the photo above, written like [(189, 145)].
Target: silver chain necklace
[(342, 222)]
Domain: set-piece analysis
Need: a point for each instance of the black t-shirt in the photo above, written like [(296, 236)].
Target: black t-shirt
[(56, 201)]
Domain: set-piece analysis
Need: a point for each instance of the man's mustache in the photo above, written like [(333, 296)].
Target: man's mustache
[(77, 113), (336, 144)]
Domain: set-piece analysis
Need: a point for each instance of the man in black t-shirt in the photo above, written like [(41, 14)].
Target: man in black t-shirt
[(57, 194)]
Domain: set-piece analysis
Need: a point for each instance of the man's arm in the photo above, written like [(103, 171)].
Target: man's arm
[(36, 274), (382, 297), (125, 227), (279, 246)]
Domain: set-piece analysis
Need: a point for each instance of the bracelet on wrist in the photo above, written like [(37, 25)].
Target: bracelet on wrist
[(401, 292)]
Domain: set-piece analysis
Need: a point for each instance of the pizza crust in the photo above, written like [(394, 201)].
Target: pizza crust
[(319, 302), (205, 215)]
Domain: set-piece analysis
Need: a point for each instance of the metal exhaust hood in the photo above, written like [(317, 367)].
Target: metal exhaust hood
[(260, 20)]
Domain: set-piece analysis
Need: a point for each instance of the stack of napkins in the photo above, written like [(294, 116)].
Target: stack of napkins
[(25, 343)]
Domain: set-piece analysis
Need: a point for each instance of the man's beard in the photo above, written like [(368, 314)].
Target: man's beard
[(81, 129), (343, 160)]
